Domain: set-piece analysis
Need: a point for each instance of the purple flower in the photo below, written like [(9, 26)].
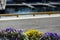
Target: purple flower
[(58, 36), (19, 31), (53, 36), (0, 31), (10, 29)]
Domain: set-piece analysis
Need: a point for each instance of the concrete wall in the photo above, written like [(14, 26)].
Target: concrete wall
[(42, 24)]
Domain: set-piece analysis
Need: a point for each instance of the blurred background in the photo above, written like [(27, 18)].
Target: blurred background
[(25, 9), (31, 1)]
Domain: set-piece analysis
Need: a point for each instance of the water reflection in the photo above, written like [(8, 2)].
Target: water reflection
[(25, 10)]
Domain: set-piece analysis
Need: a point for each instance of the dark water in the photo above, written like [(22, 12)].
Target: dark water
[(30, 1), (25, 9)]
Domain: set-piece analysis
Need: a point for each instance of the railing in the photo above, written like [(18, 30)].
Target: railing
[(32, 13), (9, 15)]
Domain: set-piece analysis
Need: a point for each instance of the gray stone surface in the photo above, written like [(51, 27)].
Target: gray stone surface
[(42, 24)]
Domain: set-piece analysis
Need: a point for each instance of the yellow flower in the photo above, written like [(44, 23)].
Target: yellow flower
[(27, 33), (40, 33), (33, 33)]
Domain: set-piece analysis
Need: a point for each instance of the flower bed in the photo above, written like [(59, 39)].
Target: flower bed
[(13, 34)]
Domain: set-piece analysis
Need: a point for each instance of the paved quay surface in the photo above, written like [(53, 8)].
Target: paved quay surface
[(42, 24)]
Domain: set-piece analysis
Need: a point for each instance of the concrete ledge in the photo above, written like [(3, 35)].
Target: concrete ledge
[(41, 24), (28, 17)]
